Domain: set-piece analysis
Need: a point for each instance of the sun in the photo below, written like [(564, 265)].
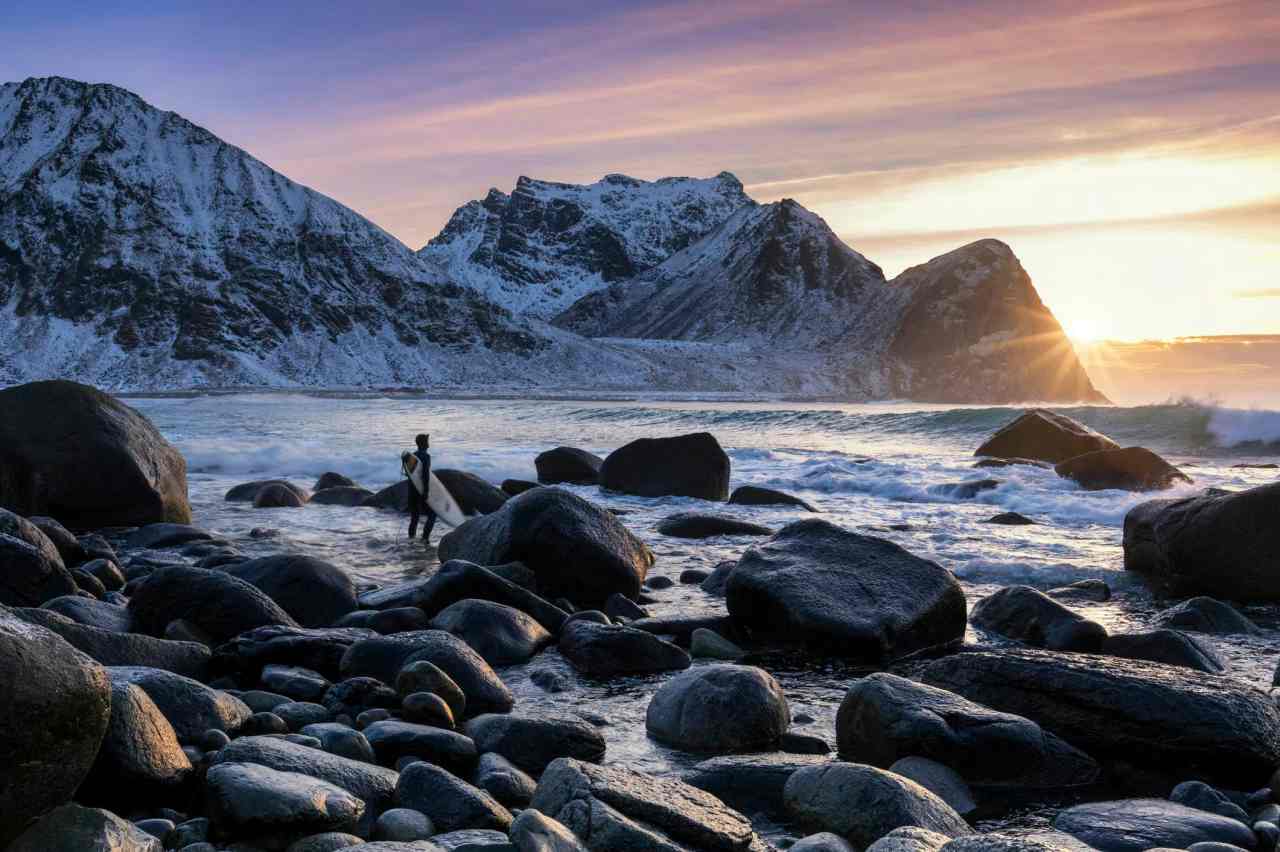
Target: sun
[(1083, 330)]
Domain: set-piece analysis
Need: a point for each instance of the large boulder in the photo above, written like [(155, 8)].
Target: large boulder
[(122, 649), (55, 704), (1135, 825), (1044, 436), (1223, 544), (449, 802), (73, 827), (568, 464), (316, 593), (141, 760), (610, 808), (191, 707), (501, 634), (533, 742), (683, 466), (383, 657), (270, 807), (1128, 469), (218, 604), (719, 708), (1031, 616), (474, 495), (31, 569), (849, 594), (603, 650), (577, 549), (76, 454), (1163, 718), (862, 803)]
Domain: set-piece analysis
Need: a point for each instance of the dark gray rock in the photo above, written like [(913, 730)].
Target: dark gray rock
[(275, 495), (1095, 591), (942, 781), (68, 546), (1197, 794), (682, 466), (91, 612), (330, 479), (218, 604), (271, 807), (825, 841), (314, 592), (503, 780), (621, 608), (404, 825), (396, 620), (393, 740), (1206, 615), (318, 649), (450, 802), (533, 831), (474, 495), (191, 707), (341, 740), (33, 570), (1010, 519), (73, 828), (603, 650), (140, 759), (95, 546), (1032, 617), (459, 580), (247, 492), (751, 782), (576, 548), (1128, 469), (164, 535), (1172, 647), (964, 490), (705, 525), (425, 676), (298, 683), (88, 583), (107, 572), (568, 464), (754, 495), (502, 635), (512, 487), (694, 576), (719, 708), (533, 742), (383, 658), (427, 708), (468, 840), (1135, 825), (341, 495), (846, 593), (331, 841), (718, 580), (1042, 435), (300, 714), (123, 649)]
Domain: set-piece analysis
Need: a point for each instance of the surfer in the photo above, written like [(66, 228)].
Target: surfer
[(418, 505)]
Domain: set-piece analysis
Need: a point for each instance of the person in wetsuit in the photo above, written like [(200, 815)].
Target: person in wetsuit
[(418, 506)]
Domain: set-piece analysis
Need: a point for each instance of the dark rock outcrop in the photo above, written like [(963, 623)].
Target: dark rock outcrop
[(247, 492), (1207, 615), (474, 495), (1032, 617), (683, 466), (276, 496), (1128, 469), (220, 605), (251, 801), (603, 650), (341, 495), (31, 569), (1135, 825), (501, 634), (314, 592), (140, 760), (1041, 435), (568, 464), (191, 707), (533, 742), (451, 803)]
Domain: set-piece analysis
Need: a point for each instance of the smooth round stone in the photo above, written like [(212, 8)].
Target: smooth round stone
[(426, 676), (427, 708), (693, 576), (263, 723), (708, 644), (403, 824), (158, 828), (213, 739), (659, 583), (368, 717), (298, 714)]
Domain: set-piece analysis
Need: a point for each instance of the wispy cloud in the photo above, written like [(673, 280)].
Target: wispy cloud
[(1265, 293)]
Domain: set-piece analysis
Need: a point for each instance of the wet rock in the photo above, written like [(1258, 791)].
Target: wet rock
[(72, 827), (750, 782), (341, 740), (1134, 825), (502, 635), (720, 708), (278, 496), (263, 724), (1155, 716), (341, 495), (568, 464), (459, 580), (88, 583), (404, 825), (218, 604), (383, 658), (1095, 591), (122, 649), (54, 431), (657, 584), (1206, 615), (1010, 519), (393, 740), (107, 572), (394, 497), (298, 683), (965, 490), (707, 644), (503, 780), (512, 487), (716, 583), (427, 708), (704, 525), (65, 541), (1197, 794), (603, 650), (693, 576), (91, 612), (95, 546), (140, 759), (247, 492), (300, 714), (862, 803), (576, 548), (314, 592), (33, 569), (619, 607), (1171, 647), (334, 480), (190, 707), (384, 621), (1128, 469), (535, 832), (450, 802), (683, 466), (1032, 617), (425, 676), (256, 802), (474, 495), (1041, 435), (532, 742), (165, 535), (467, 840), (942, 781), (54, 711), (850, 594), (754, 495), (613, 808), (1224, 544), (319, 649), (355, 695)]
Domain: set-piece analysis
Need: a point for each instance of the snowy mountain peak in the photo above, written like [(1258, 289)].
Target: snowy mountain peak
[(547, 244)]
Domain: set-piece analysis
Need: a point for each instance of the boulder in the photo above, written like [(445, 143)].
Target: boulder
[(295, 682), (603, 650), (1129, 469), (427, 708), (474, 495), (503, 780), (754, 495), (1034, 618), (577, 549), (568, 464), (845, 593), (32, 570), (448, 801), (825, 841), (68, 546), (1206, 615), (1010, 519), (612, 808), (502, 635), (314, 592), (383, 658), (533, 742), (721, 708), (1171, 647), (394, 497), (190, 707), (705, 525), (862, 803), (277, 495), (942, 781), (299, 714), (1041, 435), (1224, 544), (341, 495), (218, 604), (319, 649), (404, 825), (717, 581), (247, 492), (533, 831), (330, 479), (91, 612), (74, 828), (107, 572), (683, 466), (52, 432), (164, 535), (1135, 825), (54, 710), (459, 580), (122, 649), (271, 807), (140, 761), (1163, 718), (751, 782), (425, 676), (393, 740), (394, 620)]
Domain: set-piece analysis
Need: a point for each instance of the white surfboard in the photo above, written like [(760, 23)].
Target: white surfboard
[(438, 497)]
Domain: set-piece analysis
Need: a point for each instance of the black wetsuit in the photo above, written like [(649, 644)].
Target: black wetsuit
[(418, 506)]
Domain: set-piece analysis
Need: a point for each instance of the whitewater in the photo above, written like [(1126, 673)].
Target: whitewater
[(879, 469)]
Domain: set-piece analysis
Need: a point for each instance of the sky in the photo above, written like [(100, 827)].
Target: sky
[(1128, 151)]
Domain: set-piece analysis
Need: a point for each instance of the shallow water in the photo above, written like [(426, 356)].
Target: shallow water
[(866, 466)]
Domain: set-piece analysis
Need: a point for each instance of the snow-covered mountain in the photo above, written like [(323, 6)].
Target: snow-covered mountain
[(544, 246)]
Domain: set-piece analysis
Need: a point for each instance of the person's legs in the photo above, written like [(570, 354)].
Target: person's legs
[(415, 510), (428, 521)]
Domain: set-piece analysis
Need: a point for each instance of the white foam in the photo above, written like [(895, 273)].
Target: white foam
[(1231, 427)]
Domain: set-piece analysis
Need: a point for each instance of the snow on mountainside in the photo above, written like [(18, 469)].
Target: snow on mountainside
[(545, 245)]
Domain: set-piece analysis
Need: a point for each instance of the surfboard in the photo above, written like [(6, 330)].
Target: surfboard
[(438, 497)]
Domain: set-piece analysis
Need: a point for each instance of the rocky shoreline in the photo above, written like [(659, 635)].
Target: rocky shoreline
[(192, 697)]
